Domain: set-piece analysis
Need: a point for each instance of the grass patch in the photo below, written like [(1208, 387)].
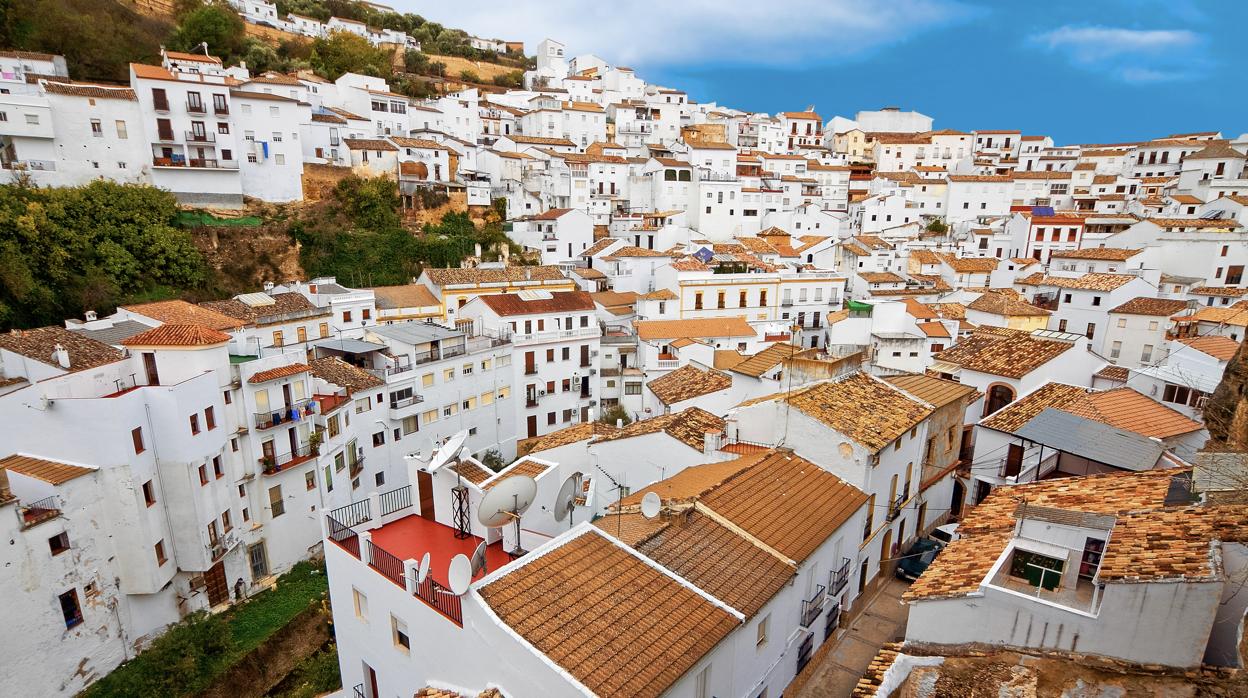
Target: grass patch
[(194, 219), (315, 675), (197, 651)]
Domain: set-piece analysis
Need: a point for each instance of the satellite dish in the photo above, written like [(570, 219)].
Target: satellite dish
[(478, 559), (459, 576), (448, 450), (567, 496), (422, 572), (506, 501), (650, 505)]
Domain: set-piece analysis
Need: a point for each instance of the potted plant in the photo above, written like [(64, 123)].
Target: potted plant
[(314, 442)]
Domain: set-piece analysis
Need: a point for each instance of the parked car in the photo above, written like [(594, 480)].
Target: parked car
[(916, 560), (945, 534)]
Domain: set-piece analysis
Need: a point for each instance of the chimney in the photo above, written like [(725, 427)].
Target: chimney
[(477, 249), (60, 355), (528, 274), (90, 316), (268, 286), (619, 424)]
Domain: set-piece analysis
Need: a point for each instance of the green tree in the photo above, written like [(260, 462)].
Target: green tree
[(469, 76), (216, 25), (937, 226), (342, 53), (614, 414)]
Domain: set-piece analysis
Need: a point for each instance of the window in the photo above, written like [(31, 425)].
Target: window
[(159, 549), (1122, 322), (279, 159), (632, 388), (59, 543), (346, 316), (70, 610), (1147, 354), (1091, 330), (227, 524), (203, 475), (399, 631), (276, 504), (866, 531), (379, 439), (32, 119), (1115, 350), (360, 602), (426, 380), (278, 339), (217, 470), (1096, 300), (194, 424), (761, 632), (210, 418), (136, 435)]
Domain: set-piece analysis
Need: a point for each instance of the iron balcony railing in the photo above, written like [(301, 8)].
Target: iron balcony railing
[(353, 514), (407, 402), (359, 691), (813, 606), (894, 507), (342, 534), (838, 579), (201, 137), (395, 500), (386, 563), (280, 461), (285, 415), (196, 107), (39, 510)]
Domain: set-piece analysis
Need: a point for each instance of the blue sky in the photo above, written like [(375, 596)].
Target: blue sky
[(1090, 71)]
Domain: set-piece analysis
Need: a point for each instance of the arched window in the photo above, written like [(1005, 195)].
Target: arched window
[(999, 396)]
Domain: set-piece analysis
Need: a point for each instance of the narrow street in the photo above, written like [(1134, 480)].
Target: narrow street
[(835, 669)]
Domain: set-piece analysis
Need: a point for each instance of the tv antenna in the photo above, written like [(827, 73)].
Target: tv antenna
[(459, 575), (450, 449), (650, 505), (565, 502), (505, 502)]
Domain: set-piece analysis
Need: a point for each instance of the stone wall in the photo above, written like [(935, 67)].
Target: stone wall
[(1226, 415)]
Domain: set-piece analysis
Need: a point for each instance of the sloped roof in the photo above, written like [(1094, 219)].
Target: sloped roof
[(279, 372), (1003, 353), (585, 431), (1006, 304), (506, 304), (1122, 408), (1143, 305), (695, 328), (50, 471), (40, 344), (636, 629), (689, 426), (334, 370), (182, 313), (937, 392), (1217, 346), (170, 335), (446, 277), (688, 382)]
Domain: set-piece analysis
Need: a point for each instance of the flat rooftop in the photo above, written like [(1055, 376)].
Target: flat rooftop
[(411, 537)]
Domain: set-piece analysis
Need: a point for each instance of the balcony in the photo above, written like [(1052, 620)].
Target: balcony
[(195, 107), (812, 607), (786, 303), (552, 335), (35, 513), (284, 415), (285, 461), (198, 163), (221, 109), (201, 137), (838, 579), (402, 408), (894, 508), (356, 466)]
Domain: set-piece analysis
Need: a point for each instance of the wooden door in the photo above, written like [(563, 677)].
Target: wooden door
[(218, 590), (1014, 460), (149, 367), (372, 683), (424, 482), (532, 424)]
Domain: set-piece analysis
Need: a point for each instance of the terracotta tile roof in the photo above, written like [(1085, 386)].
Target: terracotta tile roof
[(1172, 543), (636, 629), (1007, 304), (28, 55), (1116, 254), (369, 144), (937, 392), (1087, 282), (192, 57), (872, 680), (334, 370), (1011, 354), (1216, 150), (1123, 408), (933, 329), (526, 467), (183, 313), (283, 303), (405, 296), (785, 501), (924, 256), (1143, 305), (588, 273), (470, 471), (727, 358), (689, 426), (346, 114), (1217, 346), (952, 311), (860, 406), (599, 246), (881, 277), (85, 89), (707, 554), (688, 382), (538, 140), (585, 431), (40, 343), (507, 304), (1234, 315), (170, 335), (988, 527), (50, 471), (328, 118), (446, 277), (1214, 223), (631, 251), (1113, 373), (966, 265), (694, 328), (662, 294), (765, 360), (279, 372), (245, 94)]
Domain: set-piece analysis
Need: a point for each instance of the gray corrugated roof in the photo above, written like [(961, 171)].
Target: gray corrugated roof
[(415, 333), (1092, 440), (351, 346), (113, 335)]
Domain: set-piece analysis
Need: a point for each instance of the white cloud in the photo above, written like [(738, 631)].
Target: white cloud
[(1129, 55), (666, 32)]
